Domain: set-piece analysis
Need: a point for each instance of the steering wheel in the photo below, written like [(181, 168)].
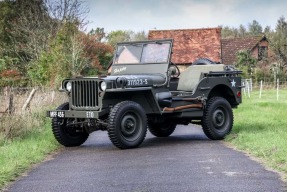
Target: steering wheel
[(174, 70)]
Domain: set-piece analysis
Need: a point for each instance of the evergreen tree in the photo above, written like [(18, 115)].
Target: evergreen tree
[(254, 28), (242, 31), (279, 42)]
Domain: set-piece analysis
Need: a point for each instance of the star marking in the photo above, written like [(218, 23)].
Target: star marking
[(233, 83)]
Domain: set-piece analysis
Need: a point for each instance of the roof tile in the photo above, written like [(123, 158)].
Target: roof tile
[(231, 46), (191, 44)]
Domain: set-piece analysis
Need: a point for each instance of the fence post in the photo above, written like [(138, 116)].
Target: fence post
[(248, 89), (53, 96), (10, 105), (260, 92), (28, 100), (277, 89), (244, 88), (8, 98)]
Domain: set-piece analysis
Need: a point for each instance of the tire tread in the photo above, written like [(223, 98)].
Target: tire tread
[(207, 128), (112, 124)]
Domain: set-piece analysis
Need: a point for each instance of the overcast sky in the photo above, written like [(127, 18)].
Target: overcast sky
[(138, 15)]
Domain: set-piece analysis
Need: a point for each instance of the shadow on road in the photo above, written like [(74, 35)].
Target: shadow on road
[(101, 141), (174, 140)]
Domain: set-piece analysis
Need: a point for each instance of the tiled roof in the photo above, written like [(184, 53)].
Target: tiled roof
[(191, 44), (231, 46)]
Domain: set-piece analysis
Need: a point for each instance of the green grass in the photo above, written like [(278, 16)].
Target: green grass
[(260, 128), (19, 154)]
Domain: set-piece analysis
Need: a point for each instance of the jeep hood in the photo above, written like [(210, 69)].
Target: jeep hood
[(120, 81)]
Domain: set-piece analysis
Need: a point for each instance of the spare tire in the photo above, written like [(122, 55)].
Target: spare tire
[(203, 61)]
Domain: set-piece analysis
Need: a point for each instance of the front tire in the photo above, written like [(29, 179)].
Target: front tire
[(127, 125), (67, 136), (217, 120), (162, 130)]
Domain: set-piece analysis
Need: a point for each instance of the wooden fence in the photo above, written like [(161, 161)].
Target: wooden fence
[(17, 100)]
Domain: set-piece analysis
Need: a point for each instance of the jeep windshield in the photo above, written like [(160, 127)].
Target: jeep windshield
[(157, 52), (142, 57)]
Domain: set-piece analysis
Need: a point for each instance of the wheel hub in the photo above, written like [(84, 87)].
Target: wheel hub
[(218, 118), (128, 126)]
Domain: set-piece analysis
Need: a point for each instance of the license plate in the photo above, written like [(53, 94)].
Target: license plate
[(59, 114), (137, 82)]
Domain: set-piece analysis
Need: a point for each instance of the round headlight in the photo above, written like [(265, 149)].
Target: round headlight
[(103, 86), (69, 86)]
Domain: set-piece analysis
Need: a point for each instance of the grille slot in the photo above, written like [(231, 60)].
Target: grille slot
[(85, 94)]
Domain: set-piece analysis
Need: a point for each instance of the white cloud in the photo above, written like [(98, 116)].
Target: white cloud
[(170, 14)]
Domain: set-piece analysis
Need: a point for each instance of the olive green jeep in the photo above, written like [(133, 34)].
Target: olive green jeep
[(145, 90)]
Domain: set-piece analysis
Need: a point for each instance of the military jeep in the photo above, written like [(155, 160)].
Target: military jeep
[(145, 90)]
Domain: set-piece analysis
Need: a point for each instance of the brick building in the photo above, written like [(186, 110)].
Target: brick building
[(258, 45), (191, 44)]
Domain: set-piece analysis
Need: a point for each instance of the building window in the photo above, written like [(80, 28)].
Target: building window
[(262, 52)]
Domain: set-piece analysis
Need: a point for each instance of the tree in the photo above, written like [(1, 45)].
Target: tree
[(254, 28), (263, 69), (43, 37), (139, 36), (7, 14), (267, 30), (279, 40), (242, 31), (98, 53), (24, 32), (279, 43), (98, 33), (245, 62), (56, 63), (42, 40), (229, 32), (118, 36), (72, 11)]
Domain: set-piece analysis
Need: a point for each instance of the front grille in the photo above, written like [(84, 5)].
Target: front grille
[(84, 94)]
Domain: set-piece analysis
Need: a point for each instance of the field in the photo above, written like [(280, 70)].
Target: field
[(260, 128)]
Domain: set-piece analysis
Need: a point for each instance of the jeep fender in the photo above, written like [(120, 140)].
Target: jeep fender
[(147, 97), (220, 86)]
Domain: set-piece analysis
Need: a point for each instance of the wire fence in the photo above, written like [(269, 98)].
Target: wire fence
[(264, 84), (23, 109), (18, 106), (261, 86), (15, 100)]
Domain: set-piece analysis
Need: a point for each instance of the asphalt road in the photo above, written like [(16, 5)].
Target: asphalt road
[(185, 161)]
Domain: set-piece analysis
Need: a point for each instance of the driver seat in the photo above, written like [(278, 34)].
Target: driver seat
[(190, 77)]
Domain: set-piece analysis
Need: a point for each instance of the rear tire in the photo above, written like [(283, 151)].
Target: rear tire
[(67, 136), (162, 130), (217, 120), (127, 125)]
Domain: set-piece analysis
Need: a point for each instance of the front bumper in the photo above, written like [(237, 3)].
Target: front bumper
[(76, 114)]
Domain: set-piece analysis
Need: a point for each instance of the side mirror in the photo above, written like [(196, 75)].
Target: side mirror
[(172, 70)]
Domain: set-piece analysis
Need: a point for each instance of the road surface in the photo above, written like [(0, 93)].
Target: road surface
[(185, 161)]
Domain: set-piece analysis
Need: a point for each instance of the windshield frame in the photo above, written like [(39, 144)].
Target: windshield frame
[(145, 45)]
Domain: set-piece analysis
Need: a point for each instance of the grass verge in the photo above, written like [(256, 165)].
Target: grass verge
[(19, 154), (260, 128)]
